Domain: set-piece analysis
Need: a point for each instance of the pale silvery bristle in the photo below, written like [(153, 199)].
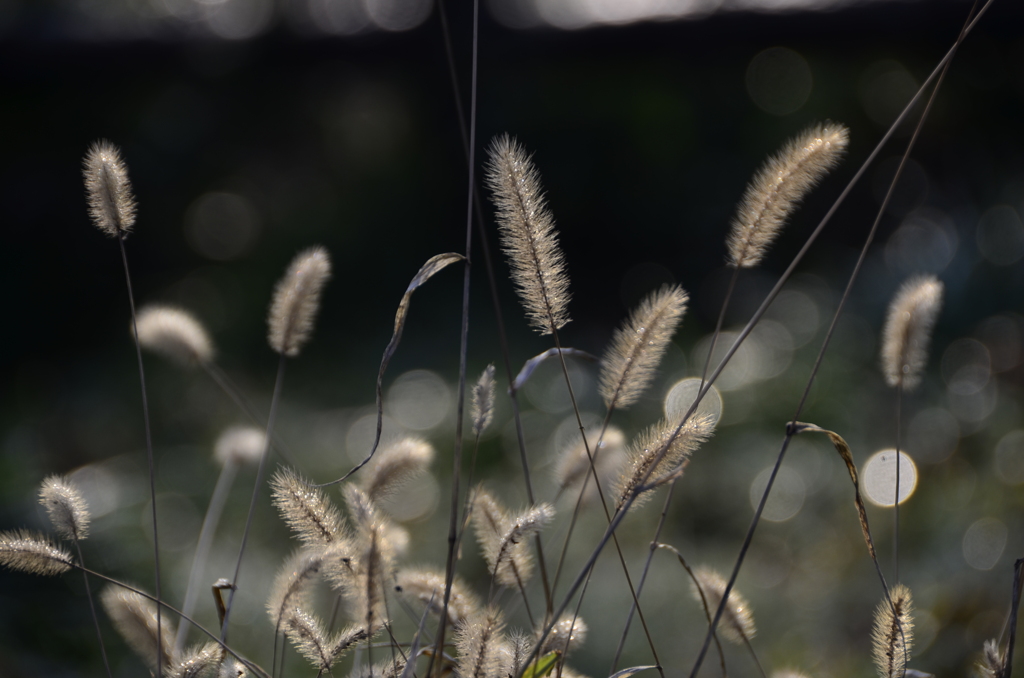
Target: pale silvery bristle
[(517, 651), (480, 642), (174, 334), (296, 301), (111, 204), (991, 664), (291, 585), (573, 464), (312, 516), (428, 587), (483, 401), (528, 235), (629, 365), (566, 635), (779, 186), (391, 668), (646, 448), (737, 623), (893, 633), (32, 553), (395, 465), (503, 538), (201, 661), (240, 445), (908, 329), (309, 637), (135, 618), (66, 507)]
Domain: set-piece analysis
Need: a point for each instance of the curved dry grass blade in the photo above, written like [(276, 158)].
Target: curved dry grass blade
[(631, 360), (426, 272), (533, 363), (528, 235)]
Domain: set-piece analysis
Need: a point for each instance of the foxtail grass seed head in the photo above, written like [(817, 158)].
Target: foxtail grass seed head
[(908, 329), (427, 586), (991, 664), (517, 651), (483, 401), (396, 465), (66, 507), (109, 193), (503, 538), (32, 553), (632, 359), (240, 445), (309, 637), (646, 448), (135, 618), (292, 583), (737, 623), (202, 661), (305, 509), (779, 186), (893, 633), (174, 334), (573, 464), (480, 642), (565, 636), (528, 235), (296, 301)]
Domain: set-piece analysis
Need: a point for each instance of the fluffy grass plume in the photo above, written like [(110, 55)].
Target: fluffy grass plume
[(427, 586), (22, 550), (135, 619), (573, 464), (502, 537), (175, 334), (636, 350), (991, 664), (307, 633), (240, 445), (66, 507), (908, 328), (644, 450), (565, 636), (397, 464), (296, 301), (312, 516), (202, 661), (481, 644), (737, 623), (483, 401), (528, 235), (893, 634), (109, 193), (292, 583), (779, 186)]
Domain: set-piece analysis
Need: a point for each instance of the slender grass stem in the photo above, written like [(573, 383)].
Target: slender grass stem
[(214, 510), (149, 450), (278, 383), (92, 610), (896, 498)]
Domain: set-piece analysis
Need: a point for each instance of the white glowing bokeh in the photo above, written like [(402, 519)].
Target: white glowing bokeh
[(221, 226), (984, 543), (787, 497), (419, 400), (879, 477), (99, 487), (681, 396), (798, 313), (1010, 458), (740, 370), (398, 15), (779, 80)]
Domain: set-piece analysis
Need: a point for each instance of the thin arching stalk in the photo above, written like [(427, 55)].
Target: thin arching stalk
[(149, 452), (214, 510), (896, 498), (278, 383)]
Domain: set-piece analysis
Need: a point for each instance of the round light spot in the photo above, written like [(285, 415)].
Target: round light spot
[(221, 226), (419, 400), (925, 242), (1000, 235), (879, 477), (682, 395), (984, 542), (398, 15), (787, 496), (779, 80), (741, 369), (1010, 458)]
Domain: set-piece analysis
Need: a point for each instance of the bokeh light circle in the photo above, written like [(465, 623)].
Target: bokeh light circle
[(879, 477), (682, 395)]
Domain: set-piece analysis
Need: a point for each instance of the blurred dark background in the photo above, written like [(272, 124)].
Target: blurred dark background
[(253, 129)]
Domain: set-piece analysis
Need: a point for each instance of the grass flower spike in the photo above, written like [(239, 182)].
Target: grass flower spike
[(645, 449), (174, 334), (296, 301), (66, 507), (636, 350), (135, 618), (528, 235), (111, 204), (737, 620), (483, 401), (893, 634), (908, 328), (310, 514), (779, 186), (27, 552)]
